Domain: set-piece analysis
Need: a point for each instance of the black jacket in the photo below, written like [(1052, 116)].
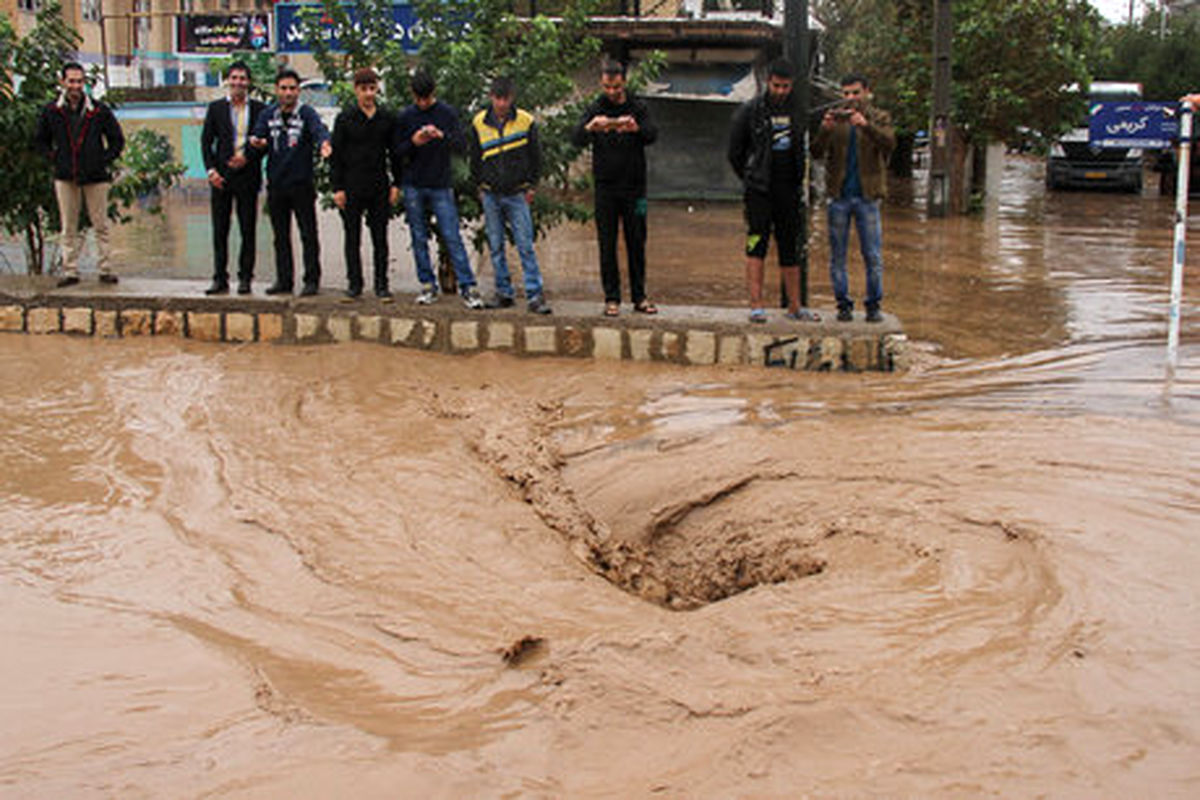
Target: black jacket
[(618, 159), (216, 145), (505, 154), (88, 158), (362, 152), (750, 143), (428, 166)]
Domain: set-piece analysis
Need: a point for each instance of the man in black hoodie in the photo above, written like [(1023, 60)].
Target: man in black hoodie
[(82, 138), (618, 127), (362, 144)]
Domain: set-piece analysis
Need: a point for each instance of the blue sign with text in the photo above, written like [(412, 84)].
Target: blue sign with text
[(1133, 124), (289, 32)]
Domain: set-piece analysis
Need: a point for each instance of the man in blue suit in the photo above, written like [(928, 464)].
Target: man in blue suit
[(235, 175)]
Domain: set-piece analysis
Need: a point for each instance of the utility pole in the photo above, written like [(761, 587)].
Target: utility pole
[(940, 127), (797, 45)]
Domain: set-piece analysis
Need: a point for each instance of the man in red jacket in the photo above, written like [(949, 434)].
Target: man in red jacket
[(82, 139)]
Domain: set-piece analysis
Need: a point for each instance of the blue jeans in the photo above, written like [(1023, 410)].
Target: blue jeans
[(870, 240), (418, 201), (512, 207)]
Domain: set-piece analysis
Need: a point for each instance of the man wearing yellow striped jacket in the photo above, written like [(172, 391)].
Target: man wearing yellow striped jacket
[(506, 165)]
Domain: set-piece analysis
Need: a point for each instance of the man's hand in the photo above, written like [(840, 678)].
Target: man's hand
[(236, 162), (529, 193), (829, 120), (258, 142), (857, 119), (426, 134), (598, 123), (394, 195), (1192, 99), (626, 124), (215, 180), (326, 149), (339, 199)]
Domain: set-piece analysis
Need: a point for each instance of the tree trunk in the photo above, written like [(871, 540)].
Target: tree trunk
[(35, 245), (901, 162)]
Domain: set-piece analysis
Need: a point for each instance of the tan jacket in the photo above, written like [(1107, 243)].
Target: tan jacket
[(875, 144)]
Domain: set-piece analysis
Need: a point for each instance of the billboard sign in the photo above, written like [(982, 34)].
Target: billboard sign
[(1133, 124), (207, 33), (289, 31)]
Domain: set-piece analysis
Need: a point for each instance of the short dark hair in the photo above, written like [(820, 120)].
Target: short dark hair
[(781, 68), (365, 77), (422, 83), (70, 65), (285, 73), (503, 86), (610, 67), (240, 65), (855, 77)]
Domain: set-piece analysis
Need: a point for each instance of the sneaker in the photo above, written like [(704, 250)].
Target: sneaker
[(108, 277), (758, 315), (874, 314), (501, 301), (471, 298), (218, 287), (429, 294), (845, 315), (538, 305), (67, 280)]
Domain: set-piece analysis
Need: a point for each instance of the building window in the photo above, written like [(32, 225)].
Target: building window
[(90, 10), (29, 5)]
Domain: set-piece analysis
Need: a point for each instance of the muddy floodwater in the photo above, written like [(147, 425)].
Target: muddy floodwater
[(353, 571)]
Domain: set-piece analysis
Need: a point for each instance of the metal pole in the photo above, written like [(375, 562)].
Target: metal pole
[(1181, 215), (939, 139), (796, 49), (104, 46)]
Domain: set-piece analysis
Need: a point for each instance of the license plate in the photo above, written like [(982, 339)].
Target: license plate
[(1097, 176)]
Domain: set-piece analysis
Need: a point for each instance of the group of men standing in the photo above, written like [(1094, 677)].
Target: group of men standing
[(378, 157)]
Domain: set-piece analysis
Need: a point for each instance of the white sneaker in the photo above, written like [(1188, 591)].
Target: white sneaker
[(429, 294), (471, 298)]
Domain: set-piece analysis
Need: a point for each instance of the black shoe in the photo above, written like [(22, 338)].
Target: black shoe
[(309, 290), (501, 301), (67, 280), (845, 315), (108, 277), (874, 315), (384, 295), (243, 287), (538, 305), (354, 292), (218, 287), (279, 288)]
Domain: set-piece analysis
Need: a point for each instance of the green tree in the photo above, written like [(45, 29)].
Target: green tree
[(1011, 61), (1167, 65)]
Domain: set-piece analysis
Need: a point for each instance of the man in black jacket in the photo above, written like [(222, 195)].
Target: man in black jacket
[(235, 175), (618, 127), (82, 138), (362, 143), (505, 165), (765, 150)]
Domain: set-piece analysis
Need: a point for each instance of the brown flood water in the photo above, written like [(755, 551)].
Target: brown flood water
[(295, 572)]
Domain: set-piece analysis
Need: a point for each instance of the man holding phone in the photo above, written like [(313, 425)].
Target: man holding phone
[(856, 139)]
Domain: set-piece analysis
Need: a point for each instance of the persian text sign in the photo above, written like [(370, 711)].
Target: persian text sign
[(1133, 124), (203, 33), (289, 30)]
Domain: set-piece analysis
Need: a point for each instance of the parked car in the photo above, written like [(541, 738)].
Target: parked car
[(1076, 163)]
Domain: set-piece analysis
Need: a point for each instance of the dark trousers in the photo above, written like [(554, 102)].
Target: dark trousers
[(630, 209), (376, 210), (222, 202), (283, 203)]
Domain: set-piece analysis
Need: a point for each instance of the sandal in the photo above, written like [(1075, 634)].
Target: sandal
[(803, 315), (645, 307), (612, 309), (758, 315)]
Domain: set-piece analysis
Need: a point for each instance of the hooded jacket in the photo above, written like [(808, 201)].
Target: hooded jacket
[(750, 143), (88, 156)]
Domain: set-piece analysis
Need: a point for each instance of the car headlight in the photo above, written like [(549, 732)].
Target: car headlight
[(1135, 152), (1056, 151)]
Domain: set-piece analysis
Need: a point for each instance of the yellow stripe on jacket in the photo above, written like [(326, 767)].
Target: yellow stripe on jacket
[(514, 135)]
